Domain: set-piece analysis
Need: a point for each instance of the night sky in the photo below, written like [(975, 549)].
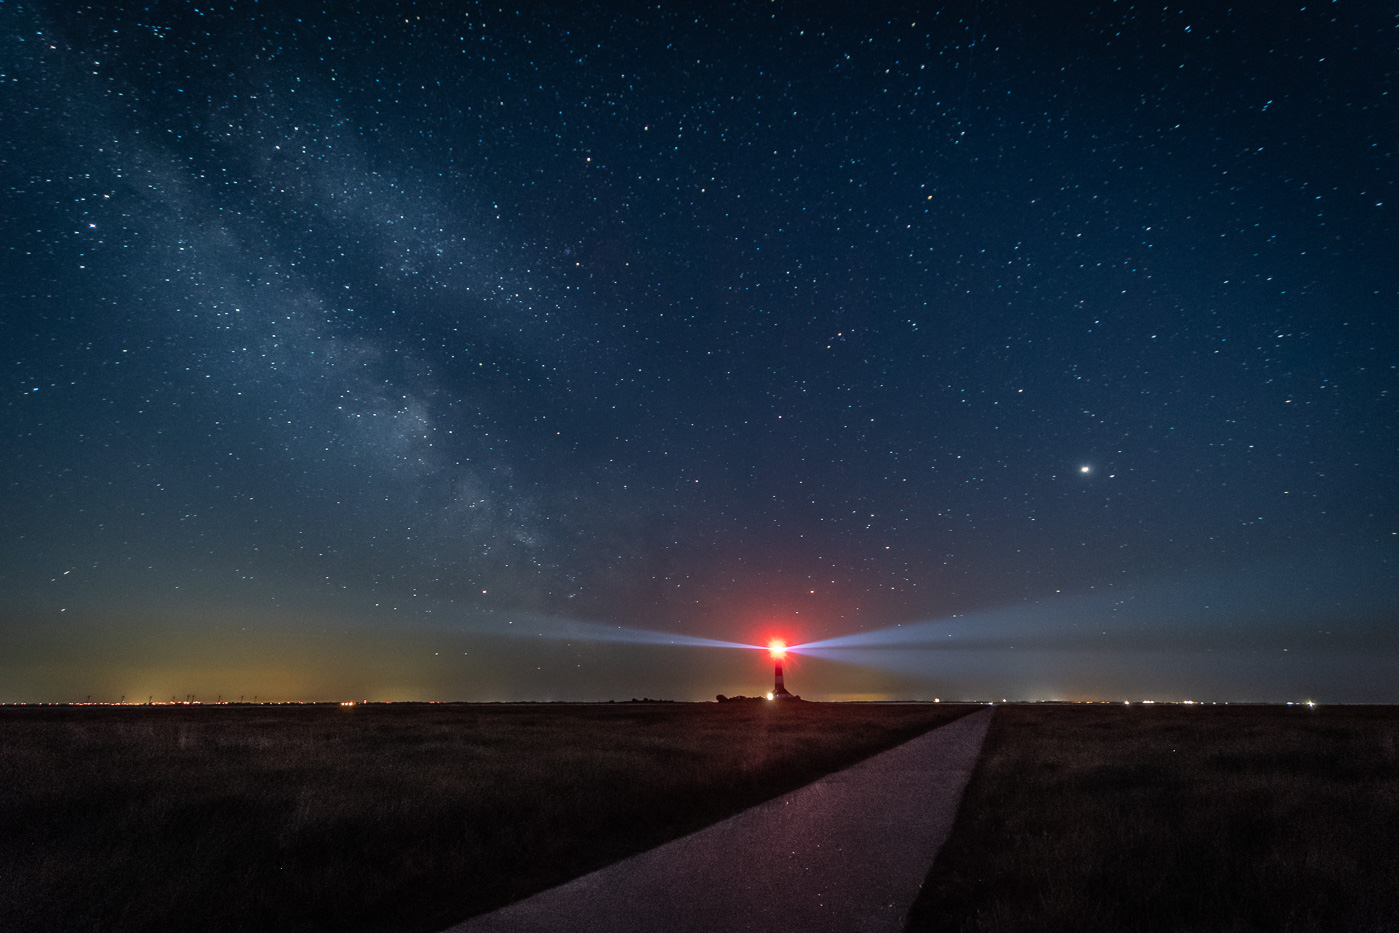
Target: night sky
[(465, 353)]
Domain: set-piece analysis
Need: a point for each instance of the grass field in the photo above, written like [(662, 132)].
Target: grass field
[(1175, 818), (375, 818)]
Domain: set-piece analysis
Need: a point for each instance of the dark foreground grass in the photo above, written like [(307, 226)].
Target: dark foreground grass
[(1175, 818), (403, 818)]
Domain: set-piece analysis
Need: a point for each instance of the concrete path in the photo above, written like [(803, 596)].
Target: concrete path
[(845, 854)]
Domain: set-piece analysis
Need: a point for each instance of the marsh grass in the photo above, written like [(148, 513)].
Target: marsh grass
[(375, 818), (1170, 818)]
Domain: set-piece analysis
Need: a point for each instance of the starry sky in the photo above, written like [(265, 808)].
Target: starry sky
[(459, 351)]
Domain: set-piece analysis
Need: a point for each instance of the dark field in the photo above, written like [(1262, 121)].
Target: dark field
[(403, 818), (1097, 818)]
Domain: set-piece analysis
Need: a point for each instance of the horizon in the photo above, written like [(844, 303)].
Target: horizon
[(347, 704)]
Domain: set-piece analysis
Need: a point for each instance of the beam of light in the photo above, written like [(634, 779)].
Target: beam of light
[(913, 634), (777, 648), (1269, 606), (557, 628)]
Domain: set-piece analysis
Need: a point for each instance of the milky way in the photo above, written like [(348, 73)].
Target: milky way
[(339, 347)]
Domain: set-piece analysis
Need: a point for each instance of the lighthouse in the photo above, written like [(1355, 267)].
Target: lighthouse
[(779, 690)]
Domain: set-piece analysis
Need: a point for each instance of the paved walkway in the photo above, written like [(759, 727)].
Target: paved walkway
[(845, 854)]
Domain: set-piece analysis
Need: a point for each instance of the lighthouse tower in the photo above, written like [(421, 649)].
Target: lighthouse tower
[(779, 689)]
